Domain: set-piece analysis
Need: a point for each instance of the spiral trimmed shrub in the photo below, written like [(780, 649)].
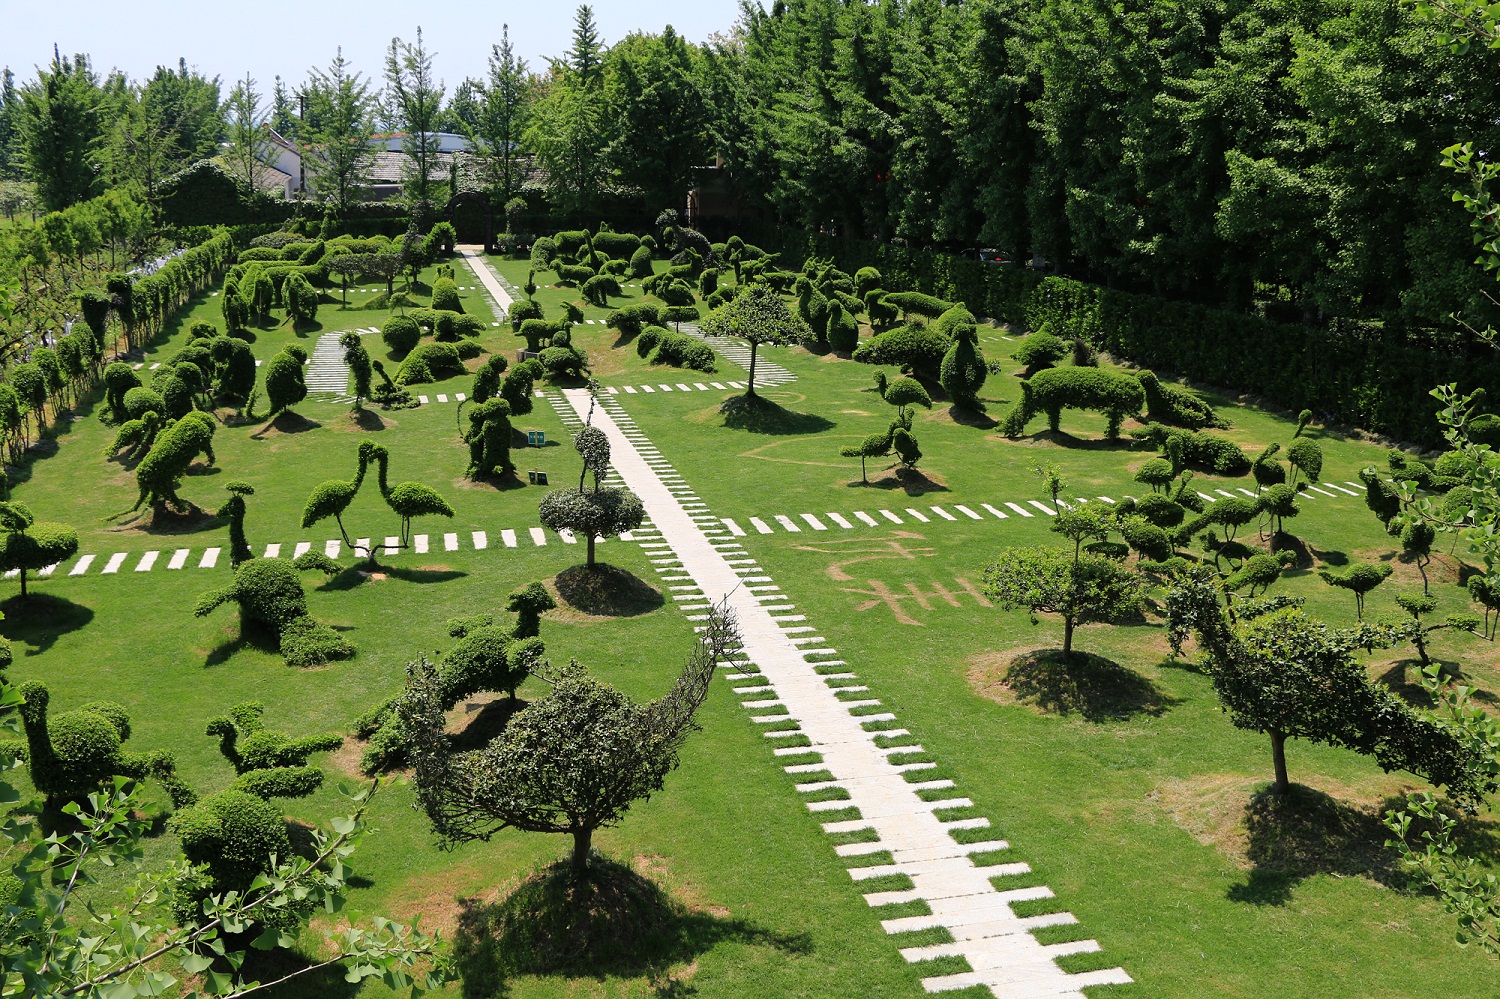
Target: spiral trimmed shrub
[(1051, 391)]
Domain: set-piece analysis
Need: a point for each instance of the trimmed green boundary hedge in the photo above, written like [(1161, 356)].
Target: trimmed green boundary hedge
[(1344, 372)]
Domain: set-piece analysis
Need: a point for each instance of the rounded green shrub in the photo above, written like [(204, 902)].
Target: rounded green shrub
[(429, 362), (520, 312), (1039, 351), (910, 347), (445, 295), (401, 334), (140, 400), (843, 329), (640, 263)]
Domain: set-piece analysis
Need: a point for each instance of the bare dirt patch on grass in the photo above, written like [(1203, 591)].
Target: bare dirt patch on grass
[(1089, 686)]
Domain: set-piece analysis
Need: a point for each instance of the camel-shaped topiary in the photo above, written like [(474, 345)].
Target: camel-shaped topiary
[(686, 238), (269, 591), (72, 754), (231, 836)]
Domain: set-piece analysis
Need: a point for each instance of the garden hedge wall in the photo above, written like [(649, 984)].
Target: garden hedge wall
[(1344, 371)]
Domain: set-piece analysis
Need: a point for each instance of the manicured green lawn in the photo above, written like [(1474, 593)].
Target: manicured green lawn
[(1135, 815)]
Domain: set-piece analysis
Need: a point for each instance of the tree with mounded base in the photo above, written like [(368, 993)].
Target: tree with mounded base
[(758, 316), (1079, 588), (604, 512), (572, 762)]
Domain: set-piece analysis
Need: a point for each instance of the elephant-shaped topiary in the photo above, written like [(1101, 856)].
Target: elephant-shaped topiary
[(72, 754)]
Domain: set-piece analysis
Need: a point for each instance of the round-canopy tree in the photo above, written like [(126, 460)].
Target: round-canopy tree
[(759, 316), (1079, 589), (26, 546), (572, 762)]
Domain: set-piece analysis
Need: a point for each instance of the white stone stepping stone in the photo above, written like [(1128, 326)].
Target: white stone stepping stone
[(570, 539), (361, 548), (1335, 485), (647, 388), (178, 559), (1207, 497), (1355, 485), (442, 398), (155, 366), (891, 517), (663, 387), (1019, 509), (303, 547), (392, 546), (813, 522), (943, 513), (82, 566), (999, 514), (509, 538), (1322, 493), (459, 397), (761, 525), (481, 540), (786, 522), (734, 528), (113, 565), (419, 544), (716, 385), (142, 364), (1044, 508), (683, 388), (257, 364), (1107, 500), (272, 551), (538, 536), (1225, 493), (147, 561), (210, 559), (967, 512), (331, 548), (48, 570), (866, 519), (919, 515), (839, 520), (422, 399), (700, 386), (450, 542)]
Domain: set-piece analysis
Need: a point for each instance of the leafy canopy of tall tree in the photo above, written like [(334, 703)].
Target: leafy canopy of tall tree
[(249, 144), (414, 98), (340, 154), (502, 117), (60, 128), (660, 115)]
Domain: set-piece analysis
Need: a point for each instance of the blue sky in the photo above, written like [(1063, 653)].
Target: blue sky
[(228, 39)]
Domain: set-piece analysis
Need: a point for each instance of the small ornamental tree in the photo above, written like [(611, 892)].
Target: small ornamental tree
[(759, 316), (1079, 590), (603, 512), (407, 500), (1360, 578), (346, 267), (358, 360), (1416, 542), (572, 762), (27, 546), (119, 379)]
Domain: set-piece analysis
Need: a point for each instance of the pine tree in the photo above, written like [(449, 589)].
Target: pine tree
[(586, 57)]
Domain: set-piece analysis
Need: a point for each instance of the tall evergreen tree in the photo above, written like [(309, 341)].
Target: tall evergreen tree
[(586, 57), (414, 97), (12, 157), (652, 96), (340, 154), (60, 131), (502, 119), (284, 117), (249, 145)]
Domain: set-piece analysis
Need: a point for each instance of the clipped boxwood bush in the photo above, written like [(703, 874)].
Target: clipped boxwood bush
[(445, 295), (683, 351), (140, 400), (633, 318), (910, 347), (429, 362), (1039, 351), (401, 334), (1195, 449)]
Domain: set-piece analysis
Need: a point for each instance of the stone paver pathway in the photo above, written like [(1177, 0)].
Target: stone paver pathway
[(502, 300), (794, 683)]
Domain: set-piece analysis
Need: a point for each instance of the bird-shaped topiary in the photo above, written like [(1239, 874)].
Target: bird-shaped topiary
[(332, 498), (408, 499), (73, 753)]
